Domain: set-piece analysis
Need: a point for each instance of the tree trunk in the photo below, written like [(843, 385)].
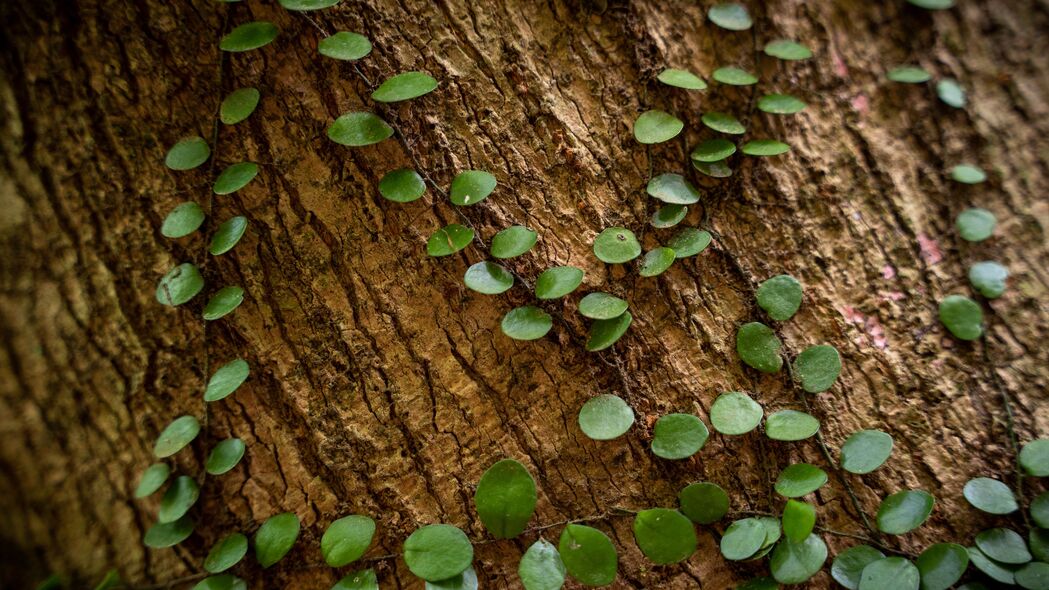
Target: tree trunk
[(380, 385)]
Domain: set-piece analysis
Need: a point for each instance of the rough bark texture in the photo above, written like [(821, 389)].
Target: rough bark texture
[(380, 385)]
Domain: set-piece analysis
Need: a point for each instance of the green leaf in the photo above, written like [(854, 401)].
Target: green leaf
[(605, 417), (181, 284), (891, 572), (713, 169), (239, 105), (990, 495), (904, 511), (557, 282), (1040, 510), (673, 188), (347, 539), (449, 239), (226, 380), (735, 413), (226, 553), (968, 174), (656, 127), (588, 555), (405, 86), (541, 567), (764, 583), (818, 368), (681, 79), (731, 16), (772, 534), (275, 538), (942, 565), (764, 147), (678, 436), (223, 302), (665, 536), (909, 75), (758, 347), (865, 450), (402, 186), (975, 224), (703, 502), (933, 4), (183, 220), (227, 235), (235, 177), (1038, 541), (187, 154), (849, 564), (52, 582), (221, 582), (724, 123), (168, 534), (505, 499), (800, 479), (225, 456), (513, 241), (1004, 546), (791, 425), (962, 316), (179, 433), (656, 262), (781, 104), (734, 76), (470, 187), (345, 45), (110, 581), (526, 323), (602, 306), (1033, 576), (799, 518), (359, 129), (180, 497), (668, 216), (794, 563), (1034, 457), (998, 572), (151, 479), (249, 36), (467, 580), (362, 580), (988, 277), (689, 241), (780, 297), (616, 245), (951, 93), (787, 50), (713, 150), (308, 4), (488, 278), (605, 333), (742, 539)]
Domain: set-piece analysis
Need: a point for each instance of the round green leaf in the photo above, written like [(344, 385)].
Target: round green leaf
[(227, 235), (656, 127), (765, 583), (449, 239), (602, 306), (742, 539), (1034, 457), (249, 36), (673, 188), (1033, 576), (470, 187), (467, 580), (758, 347), (526, 323), (513, 241), (891, 572), (681, 79), (962, 316), (990, 495), (180, 497), (791, 425), (780, 297), (668, 216), (713, 169), (793, 563), (904, 511), (308, 4), (665, 536), (817, 367), (235, 177), (781, 104), (1004, 546), (557, 282), (605, 417), (221, 582), (1039, 510), (849, 564), (998, 572), (226, 553), (359, 129), (225, 456), (735, 413), (724, 123), (734, 76), (678, 436), (909, 75), (1038, 542), (405, 86), (988, 277), (151, 479), (182, 220), (731, 16), (275, 538), (168, 534), (764, 147), (179, 433), (541, 567), (362, 580), (865, 450), (226, 380), (799, 518), (616, 245), (505, 499), (223, 302), (968, 174), (689, 241), (800, 479), (187, 154), (975, 224), (345, 45), (488, 278), (713, 150), (588, 555), (933, 4), (703, 502), (656, 262), (402, 186), (787, 49), (942, 565), (605, 333), (951, 93), (346, 539), (239, 105)]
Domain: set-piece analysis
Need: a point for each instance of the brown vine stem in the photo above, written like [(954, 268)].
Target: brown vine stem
[(1010, 423), (866, 539)]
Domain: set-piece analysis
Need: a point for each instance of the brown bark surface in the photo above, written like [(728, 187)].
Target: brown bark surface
[(380, 385)]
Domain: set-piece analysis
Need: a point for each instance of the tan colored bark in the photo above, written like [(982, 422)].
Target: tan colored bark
[(380, 385)]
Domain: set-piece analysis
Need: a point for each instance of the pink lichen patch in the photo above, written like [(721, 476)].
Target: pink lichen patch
[(888, 272), (862, 104), (891, 295), (930, 249), (871, 326)]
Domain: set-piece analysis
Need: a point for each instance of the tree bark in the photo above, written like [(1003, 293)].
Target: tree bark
[(380, 385)]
